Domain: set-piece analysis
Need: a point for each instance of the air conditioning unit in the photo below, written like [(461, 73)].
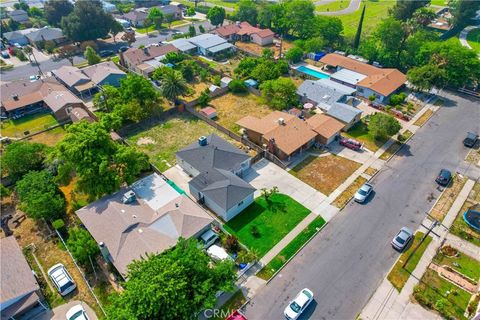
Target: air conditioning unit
[(129, 197)]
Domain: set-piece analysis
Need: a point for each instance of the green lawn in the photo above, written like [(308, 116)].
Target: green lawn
[(432, 290), (376, 10), (337, 5), (463, 264), (360, 132), (32, 123), (144, 30), (473, 39), (270, 221), (398, 276), (273, 266), (443, 3)]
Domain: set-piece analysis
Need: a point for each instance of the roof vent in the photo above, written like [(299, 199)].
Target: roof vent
[(129, 197), (281, 121), (145, 50), (15, 97), (134, 216), (202, 141), (140, 230), (176, 205)]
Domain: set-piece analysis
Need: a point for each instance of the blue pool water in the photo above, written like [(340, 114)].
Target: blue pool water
[(313, 73)]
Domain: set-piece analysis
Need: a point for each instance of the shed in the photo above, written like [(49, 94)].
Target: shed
[(251, 83), (209, 112), (224, 82), (213, 88)]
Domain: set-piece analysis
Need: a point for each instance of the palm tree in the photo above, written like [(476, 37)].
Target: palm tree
[(173, 85)]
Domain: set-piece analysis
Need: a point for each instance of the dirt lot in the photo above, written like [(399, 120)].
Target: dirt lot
[(233, 107), (447, 198), (325, 173), (197, 87), (256, 49)]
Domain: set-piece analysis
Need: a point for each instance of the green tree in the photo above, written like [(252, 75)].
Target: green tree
[(204, 98), (191, 31), (173, 85), (280, 93), (176, 284), (265, 71), (294, 55), (188, 68), (330, 29), (316, 44), (423, 17), (138, 88), (191, 12), (237, 86), (246, 66), (216, 15), (356, 40), (156, 16), (115, 29), (300, 17), (35, 12), (426, 77), (247, 11), (4, 191), (21, 5), (107, 98), (169, 18), (99, 163), (463, 11), (91, 56), (21, 157), (267, 54), (39, 196), (82, 246), (404, 9), (87, 21), (382, 125)]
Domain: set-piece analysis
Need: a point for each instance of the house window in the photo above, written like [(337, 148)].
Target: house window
[(240, 203)]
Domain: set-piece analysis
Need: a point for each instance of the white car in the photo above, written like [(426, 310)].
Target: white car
[(218, 253), (363, 193), (299, 304), (61, 279), (208, 238), (77, 313)]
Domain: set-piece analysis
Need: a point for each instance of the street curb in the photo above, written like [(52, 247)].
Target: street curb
[(296, 252)]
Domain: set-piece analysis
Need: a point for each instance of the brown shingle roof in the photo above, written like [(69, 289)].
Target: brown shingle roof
[(16, 276), (243, 28), (137, 56), (227, 30), (98, 72), (383, 81), (324, 125)]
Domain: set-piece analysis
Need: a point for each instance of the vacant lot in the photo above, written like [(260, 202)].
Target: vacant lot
[(325, 173), (50, 137), (256, 49), (360, 133), (233, 107), (440, 210), (460, 228), (263, 224), (30, 123), (163, 140)]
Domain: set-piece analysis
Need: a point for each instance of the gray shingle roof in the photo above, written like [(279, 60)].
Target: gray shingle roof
[(343, 112), (323, 91), (207, 40), (45, 34), (222, 187)]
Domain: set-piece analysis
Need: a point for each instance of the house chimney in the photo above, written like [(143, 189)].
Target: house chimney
[(281, 121)]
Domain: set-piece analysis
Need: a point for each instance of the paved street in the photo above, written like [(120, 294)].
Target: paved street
[(346, 262)]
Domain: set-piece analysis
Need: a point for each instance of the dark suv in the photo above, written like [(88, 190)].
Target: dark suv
[(444, 177), (470, 140)]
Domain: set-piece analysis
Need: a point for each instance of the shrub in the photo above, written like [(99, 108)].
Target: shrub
[(201, 29), (231, 243), (190, 11), (294, 54), (204, 98), (49, 46), (255, 232), (58, 224), (82, 245), (372, 98), (382, 125), (19, 54), (397, 99), (216, 80), (237, 86)]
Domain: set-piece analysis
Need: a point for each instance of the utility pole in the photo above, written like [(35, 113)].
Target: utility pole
[(434, 224)]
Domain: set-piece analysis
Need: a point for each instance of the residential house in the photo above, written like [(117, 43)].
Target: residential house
[(145, 61), (244, 31), (286, 135), (20, 16), (171, 10), (441, 23), (138, 16), (184, 46), (146, 218), (20, 296), (335, 99), (217, 168), (368, 80), (210, 45), (39, 37), (23, 97), (85, 81), (18, 36), (108, 7)]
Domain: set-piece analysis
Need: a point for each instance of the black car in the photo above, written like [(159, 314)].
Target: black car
[(470, 140), (444, 177), (123, 48), (106, 53)]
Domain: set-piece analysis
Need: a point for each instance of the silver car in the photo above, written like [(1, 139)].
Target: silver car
[(402, 239), (363, 193), (61, 279)]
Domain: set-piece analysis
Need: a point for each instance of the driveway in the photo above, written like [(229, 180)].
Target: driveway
[(344, 264), (360, 156), (463, 36), (59, 313), (352, 7)]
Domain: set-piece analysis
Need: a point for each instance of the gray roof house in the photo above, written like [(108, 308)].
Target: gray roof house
[(333, 98), (18, 36), (20, 294), (217, 167), (37, 38), (146, 218), (210, 44), (19, 16)]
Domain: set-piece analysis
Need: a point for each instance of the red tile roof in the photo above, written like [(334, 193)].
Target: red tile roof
[(243, 28)]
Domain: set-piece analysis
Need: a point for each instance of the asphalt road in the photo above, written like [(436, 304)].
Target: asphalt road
[(345, 262)]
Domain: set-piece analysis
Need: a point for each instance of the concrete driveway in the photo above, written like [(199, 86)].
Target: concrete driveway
[(265, 174), (59, 313), (360, 156)]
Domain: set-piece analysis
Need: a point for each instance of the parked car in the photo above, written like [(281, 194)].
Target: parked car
[(106, 53), (17, 45), (123, 48), (363, 193), (444, 177), (470, 140), (208, 238), (5, 54), (10, 51), (61, 279), (34, 77), (351, 144), (77, 312), (299, 304), (402, 239), (218, 253)]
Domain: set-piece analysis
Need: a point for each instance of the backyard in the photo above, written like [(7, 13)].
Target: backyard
[(361, 133), (459, 227), (30, 123), (325, 173), (161, 141), (197, 88), (263, 224), (50, 137), (257, 50), (233, 107)]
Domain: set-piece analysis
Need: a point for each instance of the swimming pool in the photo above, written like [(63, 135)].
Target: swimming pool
[(313, 73)]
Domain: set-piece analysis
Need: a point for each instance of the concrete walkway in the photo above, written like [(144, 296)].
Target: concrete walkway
[(387, 302), (463, 36), (466, 247)]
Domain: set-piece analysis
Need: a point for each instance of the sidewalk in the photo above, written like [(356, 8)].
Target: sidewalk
[(387, 302)]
